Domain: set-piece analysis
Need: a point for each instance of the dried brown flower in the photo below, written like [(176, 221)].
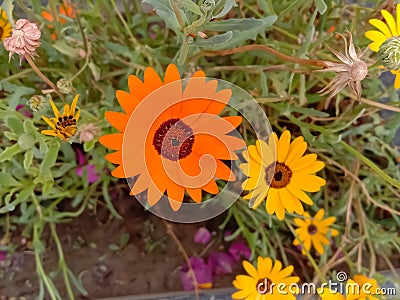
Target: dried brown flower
[(350, 72), (24, 39)]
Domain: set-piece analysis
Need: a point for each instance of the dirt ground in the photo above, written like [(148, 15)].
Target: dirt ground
[(148, 263)]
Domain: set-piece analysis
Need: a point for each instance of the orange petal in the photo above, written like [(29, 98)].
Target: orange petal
[(118, 172), (195, 194), (138, 88), (152, 79), (154, 194), (218, 150), (222, 98), (117, 120), (141, 184), (211, 187), (175, 195), (115, 157), (171, 74), (224, 172), (47, 16), (112, 141), (127, 101)]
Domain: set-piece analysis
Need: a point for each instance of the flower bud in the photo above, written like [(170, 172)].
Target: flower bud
[(65, 86), (37, 103), (389, 53)]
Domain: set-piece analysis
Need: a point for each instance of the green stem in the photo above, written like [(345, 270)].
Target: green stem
[(39, 267), (61, 261), (370, 164), (310, 258)]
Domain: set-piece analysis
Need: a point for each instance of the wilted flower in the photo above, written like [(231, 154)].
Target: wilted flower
[(351, 72), (202, 272), (24, 39), (65, 86), (92, 175), (239, 251), (202, 236), (37, 103), (221, 263), (87, 132)]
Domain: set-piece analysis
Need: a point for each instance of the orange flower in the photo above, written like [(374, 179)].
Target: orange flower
[(64, 10), (171, 137)]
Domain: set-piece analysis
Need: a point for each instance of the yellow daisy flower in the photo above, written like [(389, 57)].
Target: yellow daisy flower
[(314, 231), (358, 288), (281, 180), (266, 282), (5, 26), (63, 126), (386, 41)]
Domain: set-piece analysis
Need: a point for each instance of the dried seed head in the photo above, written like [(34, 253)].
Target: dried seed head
[(37, 103), (24, 39), (358, 71), (389, 53), (65, 86)]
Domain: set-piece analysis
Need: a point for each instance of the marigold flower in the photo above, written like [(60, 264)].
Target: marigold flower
[(351, 72), (24, 39), (63, 126), (5, 26), (281, 180), (170, 129), (64, 10), (386, 41), (262, 282), (314, 231)]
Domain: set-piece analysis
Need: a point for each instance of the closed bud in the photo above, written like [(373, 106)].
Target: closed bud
[(389, 53)]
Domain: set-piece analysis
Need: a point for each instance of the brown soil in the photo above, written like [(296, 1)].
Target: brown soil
[(148, 263)]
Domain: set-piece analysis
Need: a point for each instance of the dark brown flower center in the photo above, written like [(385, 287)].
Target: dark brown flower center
[(1, 32), (66, 126), (173, 139), (263, 286), (278, 175), (312, 229)]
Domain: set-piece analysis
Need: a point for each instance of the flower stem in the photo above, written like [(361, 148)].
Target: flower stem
[(264, 48), (42, 76), (380, 105)]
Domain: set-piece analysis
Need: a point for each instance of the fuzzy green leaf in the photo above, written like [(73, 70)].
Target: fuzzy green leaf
[(189, 5), (214, 40), (165, 12), (227, 7)]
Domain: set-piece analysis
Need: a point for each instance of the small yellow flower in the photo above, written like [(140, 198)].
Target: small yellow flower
[(281, 179), (5, 26), (63, 126), (314, 231), (386, 41), (358, 288), (266, 282)]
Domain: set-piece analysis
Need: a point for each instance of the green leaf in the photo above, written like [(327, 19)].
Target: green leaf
[(113, 247), (9, 152), (243, 29), (29, 127), (62, 47), (15, 125), (96, 72), (124, 239), (189, 5), (118, 49), (165, 12), (321, 6), (9, 8), (16, 93), (28, 159), (77, 283), (89, 145), (227, 7), (7, 179), (26, 141), (214, 40), (51, 156)]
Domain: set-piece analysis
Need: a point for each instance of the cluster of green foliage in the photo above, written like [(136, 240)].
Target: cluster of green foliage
[(107, 42)]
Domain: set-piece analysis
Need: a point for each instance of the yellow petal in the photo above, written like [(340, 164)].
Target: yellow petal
[(377, 37), (66, 110), (283, 146), (78, 114), (55, 110), (398, 17), (381, 26), (320, 214), (73, 105), (49, 122), (397, 81), (390, 21), (49, 132)]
